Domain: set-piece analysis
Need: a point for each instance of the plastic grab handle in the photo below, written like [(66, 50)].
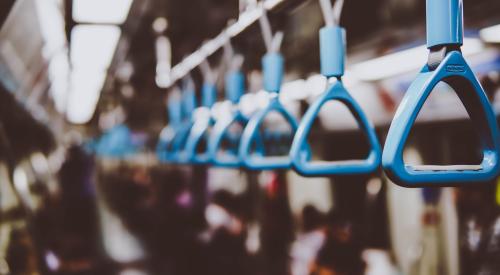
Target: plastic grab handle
[(444, 22), (332, 51), (164, 146), (208, 95), (273, 70), (174, 110), (454, 71), (200, 128), (235, 86), (198, 132), (188, 103), (167, 135), (178, 146), (301, 161), (220, 131), (178, 152), (251, 135)]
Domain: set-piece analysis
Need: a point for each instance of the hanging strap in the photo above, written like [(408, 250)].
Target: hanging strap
[(209, 88), (273, 62), (445, 36), (332, 51), (444, 23)]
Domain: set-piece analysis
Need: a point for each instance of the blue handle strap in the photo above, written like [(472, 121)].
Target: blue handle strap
[(167, 135), (208, 95), (332, 46), (220, 132), (332, 51), (301, 161), (444, 22), (250, 135), (198, 133), (177, 153), (196, 136), (188, 104), (174, 110), (273, 70), (163, 147), (200, 128), (455, 72), (235, 86)]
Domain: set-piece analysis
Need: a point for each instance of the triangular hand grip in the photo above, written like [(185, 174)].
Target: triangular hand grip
[(220, 131), (454, 71), (163, 148), (302, 163), (198, 132), (251, 133), (179, 144)]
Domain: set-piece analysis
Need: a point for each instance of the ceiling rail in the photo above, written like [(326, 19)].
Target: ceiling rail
[(246, 18)]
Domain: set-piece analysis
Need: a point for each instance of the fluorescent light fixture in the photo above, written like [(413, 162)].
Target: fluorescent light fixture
[(490, 34), (20, 179), (403, 62), (84, 94), (101, 11), (51, 22), (58, 72), (93, 46)]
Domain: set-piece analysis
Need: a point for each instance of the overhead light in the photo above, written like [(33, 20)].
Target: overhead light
[(404, 61), (20, 179), (51, 22), (58, 72), (490, 34), (93, 46), (85, 89), (101, 11)]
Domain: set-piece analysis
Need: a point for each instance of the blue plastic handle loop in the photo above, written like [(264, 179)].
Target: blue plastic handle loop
[(164, 151), (198, 133), (226, 159), (178, 152), (235, 86), (200, 128), (175, 115), (302, 162), (444, 22), (273, 70), (116, 143), (208, 95), (257, 161), (332, 51), (172, 150), (454, 71)]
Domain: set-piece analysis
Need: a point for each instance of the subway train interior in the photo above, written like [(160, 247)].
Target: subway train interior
[(253, 137)]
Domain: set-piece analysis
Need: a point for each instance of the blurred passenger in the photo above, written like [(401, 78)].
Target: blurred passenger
[(342, 252), (305, 249), (74, 235), (226, 245), (155, 206)]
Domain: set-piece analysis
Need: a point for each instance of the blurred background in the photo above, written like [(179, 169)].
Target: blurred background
[(83, 92)]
